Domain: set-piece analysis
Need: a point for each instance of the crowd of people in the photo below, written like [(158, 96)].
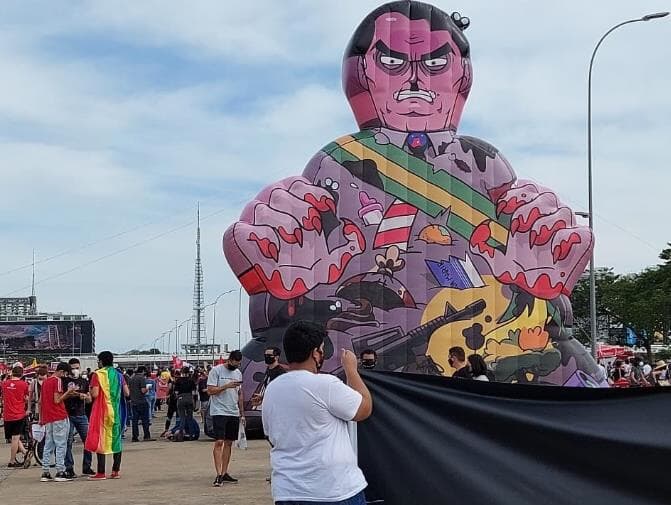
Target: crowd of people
[(307, 416), (636, 372)]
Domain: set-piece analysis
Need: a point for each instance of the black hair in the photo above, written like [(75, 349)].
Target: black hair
[(140, 370), (276, 350), (235, 355), (73, 361), (300, 339), (106, 358), (478, 365), (439, 20), (457, 352), (63, 366), (368, 351)]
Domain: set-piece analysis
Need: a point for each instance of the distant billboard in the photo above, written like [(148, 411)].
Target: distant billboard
[(60, 336)]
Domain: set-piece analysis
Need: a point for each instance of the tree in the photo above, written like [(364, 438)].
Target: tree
[(580, 301)]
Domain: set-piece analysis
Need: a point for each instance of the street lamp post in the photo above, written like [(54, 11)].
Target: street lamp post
[(592, 270), (214, 319)]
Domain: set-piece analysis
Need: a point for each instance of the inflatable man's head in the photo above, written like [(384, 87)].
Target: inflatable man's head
[(409, 239), (408, 68)]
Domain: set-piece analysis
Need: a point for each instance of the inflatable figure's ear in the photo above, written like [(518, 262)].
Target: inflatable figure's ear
[(467, 80), (461, 22), (361, 72)]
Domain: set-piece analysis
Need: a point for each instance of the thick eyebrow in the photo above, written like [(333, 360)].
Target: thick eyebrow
[(382, 47), (436, 53)]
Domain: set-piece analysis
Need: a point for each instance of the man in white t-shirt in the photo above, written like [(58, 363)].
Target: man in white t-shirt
[(227, 412), (305, 417)]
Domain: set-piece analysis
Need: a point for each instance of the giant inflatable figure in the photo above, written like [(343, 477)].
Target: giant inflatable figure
[(408, 238)]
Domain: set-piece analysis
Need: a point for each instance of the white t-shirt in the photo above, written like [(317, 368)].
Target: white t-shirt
[(481, 378), (305, 418), (226, 402)]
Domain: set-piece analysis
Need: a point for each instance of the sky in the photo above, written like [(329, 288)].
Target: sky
[(117, 117)]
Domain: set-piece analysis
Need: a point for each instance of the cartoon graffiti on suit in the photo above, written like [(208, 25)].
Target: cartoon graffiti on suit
[(409, 238)]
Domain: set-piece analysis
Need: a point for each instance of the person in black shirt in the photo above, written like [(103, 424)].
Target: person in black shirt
[(272, 358), (184, 388), (203, 396), (76, 408), (456, 357), (138, 389)]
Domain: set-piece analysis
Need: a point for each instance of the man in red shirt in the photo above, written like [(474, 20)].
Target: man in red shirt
[(56, 423), (15, 394)]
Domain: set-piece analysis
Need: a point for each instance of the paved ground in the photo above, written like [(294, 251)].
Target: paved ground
[(152, 473)]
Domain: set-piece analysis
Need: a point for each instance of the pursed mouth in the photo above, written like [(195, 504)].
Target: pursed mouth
[(422, 94)]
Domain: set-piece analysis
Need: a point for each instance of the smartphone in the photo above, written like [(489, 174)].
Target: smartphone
[(72, 385)]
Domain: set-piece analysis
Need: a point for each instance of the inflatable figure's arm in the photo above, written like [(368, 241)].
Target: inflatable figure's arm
[(279, 245)]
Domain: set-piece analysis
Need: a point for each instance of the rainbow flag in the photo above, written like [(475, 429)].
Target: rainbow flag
[(108, 415)]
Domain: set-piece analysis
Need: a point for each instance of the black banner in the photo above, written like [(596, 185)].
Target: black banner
[(438, 441)]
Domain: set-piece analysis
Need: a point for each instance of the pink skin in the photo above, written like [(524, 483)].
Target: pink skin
[(439, 77)]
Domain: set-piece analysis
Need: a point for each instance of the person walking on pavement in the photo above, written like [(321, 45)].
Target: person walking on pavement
[(138, 389), (55, 420), (79, 423), (15, 409), (226, 408), (108, 415), (306, 415)]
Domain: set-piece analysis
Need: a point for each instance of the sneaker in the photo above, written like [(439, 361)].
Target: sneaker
[(228, 478), (88, 471), (149, 439), (98, 476), (70, 473), (135, 440), (217, 481), (46, 477), (62, 477), (115, 475)]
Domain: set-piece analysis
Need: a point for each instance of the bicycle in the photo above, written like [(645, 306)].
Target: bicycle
[(33, 442)]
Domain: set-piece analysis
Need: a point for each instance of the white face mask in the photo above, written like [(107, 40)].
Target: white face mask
[(75, 372)]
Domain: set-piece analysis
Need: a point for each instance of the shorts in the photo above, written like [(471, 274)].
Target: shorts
[(225, 427), (14, 428)]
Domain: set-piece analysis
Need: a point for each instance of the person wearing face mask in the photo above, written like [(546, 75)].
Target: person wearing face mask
[(226, 408), (305, 416), (36, 391), (457, 359), (272, 358), (79, 423), (368, 359)]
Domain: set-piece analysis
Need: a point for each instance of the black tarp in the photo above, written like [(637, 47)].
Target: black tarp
[(438, 441)]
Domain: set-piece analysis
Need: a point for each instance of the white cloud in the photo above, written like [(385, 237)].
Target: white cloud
[(89, 145)]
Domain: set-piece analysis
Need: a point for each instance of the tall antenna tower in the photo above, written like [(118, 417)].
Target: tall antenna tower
[(198, 322)]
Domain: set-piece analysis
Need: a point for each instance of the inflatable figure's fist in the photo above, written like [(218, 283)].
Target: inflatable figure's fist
[(546, 250), (280, 246)]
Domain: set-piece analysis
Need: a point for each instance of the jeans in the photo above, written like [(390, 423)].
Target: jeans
[(151, 402), (79, 424), (184, 411), (358, 499), (141, 413), (55, 440)]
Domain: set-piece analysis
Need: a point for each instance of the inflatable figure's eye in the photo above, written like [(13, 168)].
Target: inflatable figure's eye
[(391, 62), (436, 63)]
